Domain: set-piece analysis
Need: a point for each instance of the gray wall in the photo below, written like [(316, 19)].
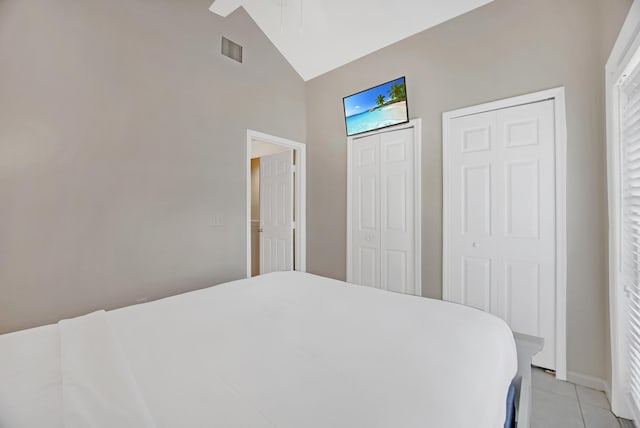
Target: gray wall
[(122, 134), (500, 50)]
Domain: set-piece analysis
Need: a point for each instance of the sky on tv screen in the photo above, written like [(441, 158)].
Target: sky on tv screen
[(363, 101)]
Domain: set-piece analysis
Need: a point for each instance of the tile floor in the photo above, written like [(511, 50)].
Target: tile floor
[(558, 404)]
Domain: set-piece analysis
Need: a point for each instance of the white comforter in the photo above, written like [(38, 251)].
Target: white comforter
[(285, 350)]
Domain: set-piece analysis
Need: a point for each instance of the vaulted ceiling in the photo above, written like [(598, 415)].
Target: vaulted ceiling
[(317, 36)]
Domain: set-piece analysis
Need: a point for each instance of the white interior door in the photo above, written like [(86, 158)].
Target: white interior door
[(501, 239), (383, 235), (276, 212)]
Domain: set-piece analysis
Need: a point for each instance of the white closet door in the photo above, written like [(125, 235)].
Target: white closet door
[(382, 211), (365, 209), (276, 212), (502, 233), (471, 239), (397, 211), (527, 276)]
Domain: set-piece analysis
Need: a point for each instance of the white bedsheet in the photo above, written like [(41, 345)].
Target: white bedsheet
[(30, 381), (98, 388), (286, 350)]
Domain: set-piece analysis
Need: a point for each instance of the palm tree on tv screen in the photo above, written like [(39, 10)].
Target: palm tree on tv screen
[(380, 100), (398, 92)]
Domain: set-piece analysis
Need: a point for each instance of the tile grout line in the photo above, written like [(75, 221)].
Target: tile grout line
[(620, 423), (614, 415), (584, 422)]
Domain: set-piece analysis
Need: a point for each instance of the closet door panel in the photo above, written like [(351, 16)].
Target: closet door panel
[(365, 209), (397, 211)]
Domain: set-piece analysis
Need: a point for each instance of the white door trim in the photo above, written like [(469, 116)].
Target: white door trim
[(624, 57), (558, 95), (416, 124), (300, 195)]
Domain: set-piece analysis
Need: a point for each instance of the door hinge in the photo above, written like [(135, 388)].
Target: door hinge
[(293, 225)]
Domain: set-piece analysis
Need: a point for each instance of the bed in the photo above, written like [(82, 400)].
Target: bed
[(284, 350)]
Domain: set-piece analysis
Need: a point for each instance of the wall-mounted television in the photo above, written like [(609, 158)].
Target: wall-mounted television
[(378, 107)]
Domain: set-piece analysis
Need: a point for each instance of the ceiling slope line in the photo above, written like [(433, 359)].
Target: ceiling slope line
[(316, 37), (224, 7)]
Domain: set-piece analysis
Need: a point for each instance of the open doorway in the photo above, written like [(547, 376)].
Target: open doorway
[(276, 203)]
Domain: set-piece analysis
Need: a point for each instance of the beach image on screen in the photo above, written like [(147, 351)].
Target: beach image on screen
[(378, 107)]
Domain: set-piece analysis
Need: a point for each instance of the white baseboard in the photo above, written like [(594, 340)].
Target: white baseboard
[(589, 382), (607, 391)]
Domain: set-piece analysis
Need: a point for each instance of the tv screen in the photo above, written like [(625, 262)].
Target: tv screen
[(381, 106)]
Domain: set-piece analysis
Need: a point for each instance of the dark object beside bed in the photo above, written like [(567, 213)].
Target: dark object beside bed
[(510, 420)]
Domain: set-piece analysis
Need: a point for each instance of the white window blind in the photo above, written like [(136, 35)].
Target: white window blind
[(630, 223)]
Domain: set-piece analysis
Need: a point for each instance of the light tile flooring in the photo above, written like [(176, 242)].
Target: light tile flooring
[(558, 404)]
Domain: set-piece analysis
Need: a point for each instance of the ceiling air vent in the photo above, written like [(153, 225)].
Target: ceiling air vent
[(231, 49)]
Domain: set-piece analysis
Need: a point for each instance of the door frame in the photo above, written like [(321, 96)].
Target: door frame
[(416, 124), (300, 194), (558, 96), (624, 56)]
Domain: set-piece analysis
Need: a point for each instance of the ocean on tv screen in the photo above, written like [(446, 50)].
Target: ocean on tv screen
[(377, 118)]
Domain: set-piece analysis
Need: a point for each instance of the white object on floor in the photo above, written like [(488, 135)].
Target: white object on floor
[(284, 350), (527, 347)]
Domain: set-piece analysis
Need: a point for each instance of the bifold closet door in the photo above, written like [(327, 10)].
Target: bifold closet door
[(397, 236), (365, 211), (501, 204), (382, 208)]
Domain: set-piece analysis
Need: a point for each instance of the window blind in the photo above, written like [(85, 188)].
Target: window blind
[(630, 223)]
